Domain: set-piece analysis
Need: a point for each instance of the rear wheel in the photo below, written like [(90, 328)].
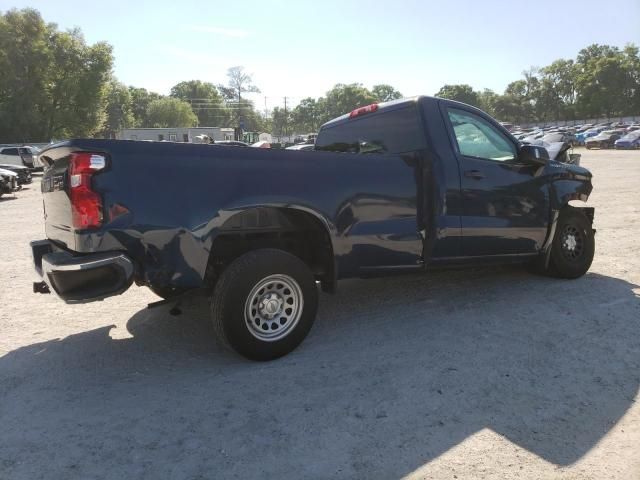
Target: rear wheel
[(264, 304), (573, 245)]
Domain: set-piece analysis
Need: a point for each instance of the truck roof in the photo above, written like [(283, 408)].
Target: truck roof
[(382, 107)]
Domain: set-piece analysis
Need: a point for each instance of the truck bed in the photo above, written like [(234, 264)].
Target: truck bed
[(167, 200)]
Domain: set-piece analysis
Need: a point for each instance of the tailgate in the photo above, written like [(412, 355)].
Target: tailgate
[(56, 193), (56, 200)]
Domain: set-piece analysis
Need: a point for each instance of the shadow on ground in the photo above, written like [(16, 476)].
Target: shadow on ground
[(395, 372)]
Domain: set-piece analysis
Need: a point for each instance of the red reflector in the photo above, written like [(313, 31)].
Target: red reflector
[(86, 205), (364, 110)]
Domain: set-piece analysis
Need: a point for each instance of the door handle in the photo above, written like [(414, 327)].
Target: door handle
[(477, 174)]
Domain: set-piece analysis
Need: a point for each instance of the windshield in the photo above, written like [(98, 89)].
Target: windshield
[(631, 136)]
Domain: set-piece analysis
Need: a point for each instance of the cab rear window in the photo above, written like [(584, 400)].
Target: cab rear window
[(395, 131)]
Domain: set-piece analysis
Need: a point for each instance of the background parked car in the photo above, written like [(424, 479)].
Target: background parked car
[(630, 140), (534, 138), (302, 146), (8, 182), (24, 174), (564, 137), (592, 132), (21, 156), (604, 139), (231, 143)]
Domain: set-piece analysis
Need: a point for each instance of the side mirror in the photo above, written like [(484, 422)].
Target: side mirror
[(533, 154)]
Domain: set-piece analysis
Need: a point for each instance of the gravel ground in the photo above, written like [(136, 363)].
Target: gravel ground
[(488, 373)]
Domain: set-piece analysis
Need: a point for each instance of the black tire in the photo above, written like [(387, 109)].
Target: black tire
[(573, 245), (235, 295)]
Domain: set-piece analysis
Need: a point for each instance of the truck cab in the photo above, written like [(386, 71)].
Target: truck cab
[(480, 194)]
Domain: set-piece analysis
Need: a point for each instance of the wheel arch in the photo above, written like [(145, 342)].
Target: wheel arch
[(571, 192), (301, 231)]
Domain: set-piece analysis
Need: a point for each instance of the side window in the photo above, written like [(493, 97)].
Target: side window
[(478, 138), (10, 151)]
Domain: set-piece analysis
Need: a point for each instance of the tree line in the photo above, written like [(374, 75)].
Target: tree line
[(54, 85), (603, 81)]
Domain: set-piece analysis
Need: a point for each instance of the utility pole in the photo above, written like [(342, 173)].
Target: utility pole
[(240, 131), (285, 116)]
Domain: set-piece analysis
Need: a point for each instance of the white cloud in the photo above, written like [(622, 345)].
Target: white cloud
[(227, 32)]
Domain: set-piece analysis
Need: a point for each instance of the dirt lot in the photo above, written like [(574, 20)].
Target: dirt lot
[(489, 373)]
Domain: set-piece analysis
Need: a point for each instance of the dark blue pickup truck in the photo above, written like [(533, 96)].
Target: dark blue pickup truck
[(402, 186)]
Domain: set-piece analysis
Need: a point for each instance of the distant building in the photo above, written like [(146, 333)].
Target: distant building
[(265, 137), (186, 134)]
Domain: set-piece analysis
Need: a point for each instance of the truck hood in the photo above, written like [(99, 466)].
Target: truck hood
[(568, 171)]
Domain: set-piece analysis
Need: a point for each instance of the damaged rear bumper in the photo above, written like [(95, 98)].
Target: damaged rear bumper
[(81, 278)]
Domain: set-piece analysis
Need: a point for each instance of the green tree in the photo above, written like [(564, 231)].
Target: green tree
[(239, 82), (605, 81), (119, 113), (24, 50), (171, 112), (280, 121), (488, 100), (205, 100), (518, 100), (253, 120), (385, 93), (305, 116), (631, 64), (343, 98), (141, 98), (53, 84), (462, 93), (77, 87), (508, 108)]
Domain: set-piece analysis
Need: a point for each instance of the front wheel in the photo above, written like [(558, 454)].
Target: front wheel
[(264, 304), (573, 245)]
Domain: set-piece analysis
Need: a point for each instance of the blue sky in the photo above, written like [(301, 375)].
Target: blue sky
[(303, 48)]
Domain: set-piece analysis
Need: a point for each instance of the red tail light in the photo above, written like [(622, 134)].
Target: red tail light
[(364, 110), (86, 205)]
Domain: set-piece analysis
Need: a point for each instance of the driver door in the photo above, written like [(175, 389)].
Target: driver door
[(505, 204)]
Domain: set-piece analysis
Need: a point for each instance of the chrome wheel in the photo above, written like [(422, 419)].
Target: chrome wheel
[(572, 243), (273, 308)]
